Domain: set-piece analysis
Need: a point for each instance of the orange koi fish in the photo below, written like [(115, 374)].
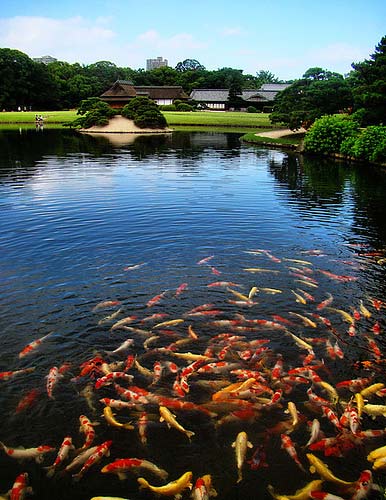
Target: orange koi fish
[(156, 299), (181, 288), (105, 304), (28, 400), (338, 277), (203, 489), (53, 378), (121, 466), (32, 346), (11, 374)]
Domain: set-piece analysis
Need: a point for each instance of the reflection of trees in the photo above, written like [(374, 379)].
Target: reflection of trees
[(20, 151), (318, 181)]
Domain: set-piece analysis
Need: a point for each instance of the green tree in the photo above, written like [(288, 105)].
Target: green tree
[(369, 87), (265, 76), (189, 65), (144, 112), (318, 93), (16, 70)]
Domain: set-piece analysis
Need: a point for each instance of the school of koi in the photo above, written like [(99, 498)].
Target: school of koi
[(224, 365)]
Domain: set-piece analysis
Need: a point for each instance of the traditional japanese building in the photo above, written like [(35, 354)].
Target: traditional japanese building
[(123, 90), (217, 99)]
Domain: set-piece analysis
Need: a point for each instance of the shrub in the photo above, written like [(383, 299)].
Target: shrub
[(144, 112), (94, 112), (251, 109), (371, 144), (184, 107), (328, 133), (168, 107)]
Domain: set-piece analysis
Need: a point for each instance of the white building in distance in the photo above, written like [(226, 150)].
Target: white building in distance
[(45, 59), (155, 63)]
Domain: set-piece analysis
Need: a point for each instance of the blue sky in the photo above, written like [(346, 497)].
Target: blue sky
[(285, 37)]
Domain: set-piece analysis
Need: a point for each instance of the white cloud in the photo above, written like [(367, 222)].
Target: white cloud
[(86, 41)]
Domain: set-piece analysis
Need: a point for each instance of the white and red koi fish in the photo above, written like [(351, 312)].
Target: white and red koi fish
[(325, 303), (118, 404), (111, 377), (205, 260), (63, 453), (10, 374), (86, 428), (337, 277), (28, 349), (156, 299), (20, 487), (106, 304), (53, 378), (36, 454), (134, 266), (181, 288), (288, 445), (121, 466), (101, 451), (202, 489)]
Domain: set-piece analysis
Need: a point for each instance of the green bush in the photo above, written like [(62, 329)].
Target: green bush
[(168, 107), (94, 112), (184, 107), (371, 144), (251, 109), (144, 112), (328, 133)]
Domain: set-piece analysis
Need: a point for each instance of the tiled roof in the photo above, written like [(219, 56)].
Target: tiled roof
[(249, 95), (274, 87), (120, 89), (162, 92)]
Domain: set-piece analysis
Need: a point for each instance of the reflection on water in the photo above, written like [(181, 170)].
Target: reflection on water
[(233, 247)]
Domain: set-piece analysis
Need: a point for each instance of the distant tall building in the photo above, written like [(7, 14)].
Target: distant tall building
[(155, 63), (45, 59)]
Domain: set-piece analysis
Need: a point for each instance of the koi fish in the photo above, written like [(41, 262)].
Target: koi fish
[(301, 494), (203, 488), (337, 277), (345, 315), (241, 445), (215, 271), (142, 427), (173, 488), (123, 465), (169, 418), (181, 288), (123, 322), (316, 465), (315, 432), (81, 459), (260, 270), (101, 451), (289, 447), (123, 347), (172, 322), (135, 266), (105, 304), (53, 378), (271, 291), (109, 417), (27, 454), (111, 377), (28, 349), (11, 374), (110, 317), (325, 303), (20, 487), (63, 453), (86, 428), (306, 321), (28, 400), (156, 299), (299, 298), (205, 260)]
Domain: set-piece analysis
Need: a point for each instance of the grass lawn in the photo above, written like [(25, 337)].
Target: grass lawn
[(227, 121), (288, 140)]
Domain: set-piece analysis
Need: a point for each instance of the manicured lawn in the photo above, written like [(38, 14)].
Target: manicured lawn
[(29, 116), (219, 119), (229, 121), (289, 140)]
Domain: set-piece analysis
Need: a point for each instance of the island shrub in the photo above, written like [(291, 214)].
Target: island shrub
[(144, 112), (93, 111), (327, 134), (252, 109), (168, 107)]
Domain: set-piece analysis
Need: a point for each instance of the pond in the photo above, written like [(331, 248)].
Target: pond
[(156, 257)]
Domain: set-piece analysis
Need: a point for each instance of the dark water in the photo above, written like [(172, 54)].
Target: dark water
[(76, 211)]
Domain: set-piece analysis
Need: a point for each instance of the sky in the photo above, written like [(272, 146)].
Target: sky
[(285, 37)]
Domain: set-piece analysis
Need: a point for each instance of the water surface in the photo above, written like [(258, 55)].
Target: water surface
[(78, 211)]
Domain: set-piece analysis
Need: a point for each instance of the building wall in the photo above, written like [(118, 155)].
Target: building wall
[(155, 63)]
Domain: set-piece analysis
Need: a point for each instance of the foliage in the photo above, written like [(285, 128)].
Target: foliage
[(184, 107), (327, 134), (318, 93), (94, 112), (369, 86), (189, 65), (252, 109), (369, 145), (167, 107), (144, 112), (265, 76)]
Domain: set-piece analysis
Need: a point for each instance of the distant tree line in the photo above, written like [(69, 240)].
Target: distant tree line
[(61, 85)]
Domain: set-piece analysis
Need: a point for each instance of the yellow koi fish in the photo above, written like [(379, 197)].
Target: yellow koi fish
[(365, 312), (109, 417), (298, 261), (377, 454), (271, 291), (300, 342), (301, 494), (306, 321), (299, 298), (252, 292), (172, 488), (324, 472), (260, 270), (172, 322), (375, 410), (168, 417), (330, 390), (239, 295), (241, 445), (345, 315), (360, 403), (368, 391)]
